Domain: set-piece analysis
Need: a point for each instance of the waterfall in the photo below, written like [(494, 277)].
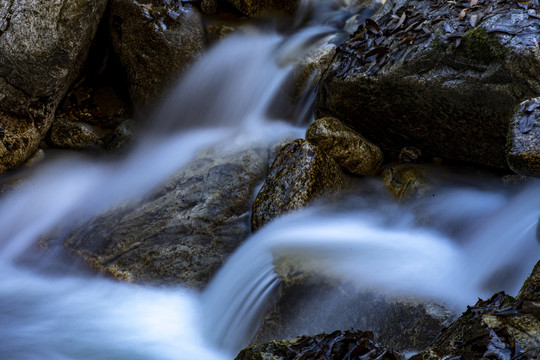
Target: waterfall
[(467, 251)]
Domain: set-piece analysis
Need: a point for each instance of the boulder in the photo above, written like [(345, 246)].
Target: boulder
[(339, 345), (350, 150), (184, 231), (444, 77), (300, 173), (155, 42), (524, 139), (43, 46)]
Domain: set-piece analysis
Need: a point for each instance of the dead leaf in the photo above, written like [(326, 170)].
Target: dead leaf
[(372, 26), (526, 123), (462, 14), (474, 20), (401, 20), (531, 106), (473, 3), (407, 39)]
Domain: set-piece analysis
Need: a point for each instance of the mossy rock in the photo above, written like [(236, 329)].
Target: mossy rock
[(405, 182), (300, 173), (350, 150)]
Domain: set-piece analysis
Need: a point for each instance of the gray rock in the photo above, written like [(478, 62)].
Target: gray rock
[(155, 44), (121, 137), (43, 45), (184, 231), (424, 76), (349, 149), (524, 139), (300, 173)]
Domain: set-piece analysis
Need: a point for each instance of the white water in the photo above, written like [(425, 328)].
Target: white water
[(63, 314)]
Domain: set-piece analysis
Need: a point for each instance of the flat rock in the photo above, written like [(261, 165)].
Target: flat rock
[(300, 173), (183, 232)]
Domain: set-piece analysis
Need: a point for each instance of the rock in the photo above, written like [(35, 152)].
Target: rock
[(256, 7), (155, 43), (43, 46), (409, 154), (209, 7), (524, 139), (310, 303), (339, 345), (121, 137), (471, 337), (350, 150), (433, 76), (300, 173), (73, 135), (183, 232), (530, 291), (406, 182)]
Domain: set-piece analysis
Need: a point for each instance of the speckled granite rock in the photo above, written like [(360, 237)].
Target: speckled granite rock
[(300, 173)]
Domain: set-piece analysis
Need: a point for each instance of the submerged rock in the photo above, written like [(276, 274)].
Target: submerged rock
[(524, 139), (300, 173), (43, 46), (184, 231), (406, 182), (349, 149), (436, 75), (155, 43), (339, 345), (73, 135), (311, 302)]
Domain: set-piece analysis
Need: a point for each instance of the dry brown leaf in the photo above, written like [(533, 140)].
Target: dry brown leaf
[(473, 3), (401, 20), (462, 14)]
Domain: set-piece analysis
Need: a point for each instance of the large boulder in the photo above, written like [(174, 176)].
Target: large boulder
[(184, 231), (350, 150), (43, 45), (444, 77), (524, 139), (339, 345), (300, 173), (155, 42)]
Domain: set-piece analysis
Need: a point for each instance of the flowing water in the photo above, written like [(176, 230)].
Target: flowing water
[(471, 238)]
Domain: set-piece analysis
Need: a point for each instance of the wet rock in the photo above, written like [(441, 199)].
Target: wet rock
[(472, 337), (339, 345), (406, 182), (436, 76), (209, 7), (43, 46), (255, 7), (184, 231), (121, 137), (300, 173), (155, 43), (73, 135), (350, 150), (524, 139), (409, 154), (311, 302)]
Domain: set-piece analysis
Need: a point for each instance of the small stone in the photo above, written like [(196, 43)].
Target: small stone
[(209, 7), (300, 173), (405, 182), (349, 149), (121, 137), (409, 154)]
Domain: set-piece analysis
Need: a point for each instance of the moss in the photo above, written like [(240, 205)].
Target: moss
[(479, 45)]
